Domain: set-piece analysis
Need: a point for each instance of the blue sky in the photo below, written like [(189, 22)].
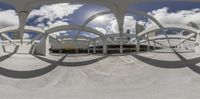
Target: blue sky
[(162, 10), (80, 15)]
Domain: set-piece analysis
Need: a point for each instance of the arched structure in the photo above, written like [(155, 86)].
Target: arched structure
[(73, 27), (130, 11), (169, 37), (121, 22), (27, 29), (170, 26), (118, 8)]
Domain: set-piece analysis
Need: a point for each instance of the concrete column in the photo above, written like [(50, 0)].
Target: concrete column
[(121, 43), (137, 44), (88, 51), (43, 46), (138, 28), (148, 42), (94, 47), (22, 22), (120, 21), (183, 45), (104, 47), (47, 45), (2, 50), (154, 43), (159, 45)]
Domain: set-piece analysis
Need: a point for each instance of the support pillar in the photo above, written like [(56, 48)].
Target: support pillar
[(148, 42), (88, 50), (22, 22), (159, 46), (120, 21), (183, 46), (2, 48), (138, 28), (121, 43), (94, 47), (43, 47), (138, 44), (154, 43), (47, 45), (104, 47)]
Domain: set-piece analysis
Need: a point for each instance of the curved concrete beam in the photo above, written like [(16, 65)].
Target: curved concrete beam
[(95, 16), (77, 27), (73, 27), (188, 37), (8, 38), (27, 29), (183, 27), (80, 36), (117, 35), (77, 40), (170, 26), (169, 37), (34, 29), (9, 29), (131, 11)]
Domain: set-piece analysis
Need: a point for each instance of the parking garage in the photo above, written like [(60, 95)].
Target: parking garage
[(99, 49)]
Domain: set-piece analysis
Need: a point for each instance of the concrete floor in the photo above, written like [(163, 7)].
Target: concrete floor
[(163, 74)]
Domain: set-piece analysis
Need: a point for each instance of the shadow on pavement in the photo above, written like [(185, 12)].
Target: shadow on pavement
[(191, 63), (25, 74), (29, 74), (42, 71), (72, 64)]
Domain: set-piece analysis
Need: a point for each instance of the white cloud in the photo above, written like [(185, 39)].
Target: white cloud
[(179, 17), (55, 14), (26, 36), (130, 22), (112, 26), (57, 23), (106, 24), (8, 18), (54, 11)]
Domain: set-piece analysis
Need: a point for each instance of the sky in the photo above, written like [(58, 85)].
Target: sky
[(47, 16)]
